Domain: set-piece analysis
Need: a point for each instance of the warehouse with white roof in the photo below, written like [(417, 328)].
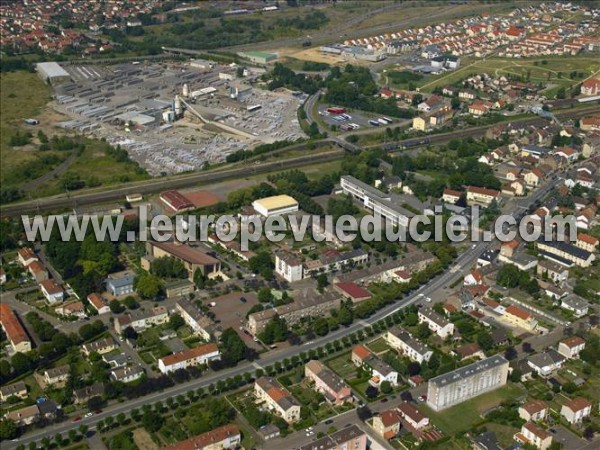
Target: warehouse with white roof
[(276, 205), (52, 72)]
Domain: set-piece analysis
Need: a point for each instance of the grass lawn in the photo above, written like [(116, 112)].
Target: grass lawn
[(538, 72), (22, 96), (342, 365), (504, 433), (96, 168), (462, 417), (379, 345)]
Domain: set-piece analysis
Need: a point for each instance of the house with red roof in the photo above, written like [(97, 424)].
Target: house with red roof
[(590, 87), (387, 424), (576, 410), (352, 291), (571, 347)]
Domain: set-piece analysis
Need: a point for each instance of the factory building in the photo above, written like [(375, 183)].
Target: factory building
[(276, 205), (259, 57), (467, 382), (52, 72)]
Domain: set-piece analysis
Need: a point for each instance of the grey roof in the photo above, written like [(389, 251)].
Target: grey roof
[(379, 196), (487, 441), (267, 383), (567, 248), (11, 389), (434, 317), (57, 371), (544, 359), (575, 301), (120, 281), (334, 441), (330, 378), (469, 371), (375, 363), (52, 69), (411, 342), (90, 391)]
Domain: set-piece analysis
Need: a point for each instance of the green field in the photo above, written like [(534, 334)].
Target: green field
[(22, 96), (461, 418), (552, 70)]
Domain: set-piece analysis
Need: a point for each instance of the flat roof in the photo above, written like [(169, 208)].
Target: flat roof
[(260, 54), (468, 371), (52, 69), (276, 202)]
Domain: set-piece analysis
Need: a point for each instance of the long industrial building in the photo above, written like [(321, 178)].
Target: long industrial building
[(376, 201), (52, 72), (467, 382)]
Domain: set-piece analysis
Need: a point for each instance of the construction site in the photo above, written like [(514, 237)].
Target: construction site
[(177, 116)]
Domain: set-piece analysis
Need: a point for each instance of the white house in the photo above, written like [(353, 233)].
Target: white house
[(403, 342), (53, 292), (571, 347), (576, 410), (192, 357), (438, 324), (288, 266)]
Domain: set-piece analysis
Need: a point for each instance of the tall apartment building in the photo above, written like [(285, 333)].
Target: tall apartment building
[(375, 200), (467, 382)]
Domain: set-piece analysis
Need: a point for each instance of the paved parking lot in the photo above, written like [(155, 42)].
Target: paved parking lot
[(231, 312), (359, 118)]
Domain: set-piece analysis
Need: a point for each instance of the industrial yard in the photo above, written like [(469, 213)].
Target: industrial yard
[(173, 117)]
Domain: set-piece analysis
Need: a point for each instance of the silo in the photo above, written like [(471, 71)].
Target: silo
[(178, 110), (186, 90)]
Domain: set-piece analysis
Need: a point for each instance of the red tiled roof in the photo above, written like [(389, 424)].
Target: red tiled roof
[(577, 404), (518, 312), (176, 199), (389, 418), (189, 354), (353, 290), (12, 326), (207, 439), (51, 287), (97, 301), (483, 191), (361, 351), (587, 239), (573, 341), (535, 406)]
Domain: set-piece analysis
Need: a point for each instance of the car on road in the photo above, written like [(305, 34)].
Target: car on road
[(88, 415), (77, 419), (328, 422), (384, 400)]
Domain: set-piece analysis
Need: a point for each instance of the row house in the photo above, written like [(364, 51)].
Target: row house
[(332, 386), (142, 319), (196, 356), (267, 390), (100, 346), (436, 323), (379, 370), (402, 341)]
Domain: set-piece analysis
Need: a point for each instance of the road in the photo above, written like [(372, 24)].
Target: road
[(434, 289), (96, 196)]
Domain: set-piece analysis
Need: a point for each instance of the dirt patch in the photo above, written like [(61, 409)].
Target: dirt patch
[(143, 440), (202, 199)]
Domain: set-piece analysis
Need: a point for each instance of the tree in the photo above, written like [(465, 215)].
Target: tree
[(320, 326), (371, 392), (83, 429), (423, 331), (322, 282), (385, 387), (485, 340), (510, 353), (130, 302), (275, 331), (232, 346), (176, 322), (116, 307), (152, 421), (21, 362), (8, 429), (588, 433), (147, 286), (265, 295)]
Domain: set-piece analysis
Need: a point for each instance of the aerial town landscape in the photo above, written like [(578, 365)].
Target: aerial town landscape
[(466, 112)]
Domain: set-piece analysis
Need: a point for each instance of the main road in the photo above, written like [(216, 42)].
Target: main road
[(434, 289)]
